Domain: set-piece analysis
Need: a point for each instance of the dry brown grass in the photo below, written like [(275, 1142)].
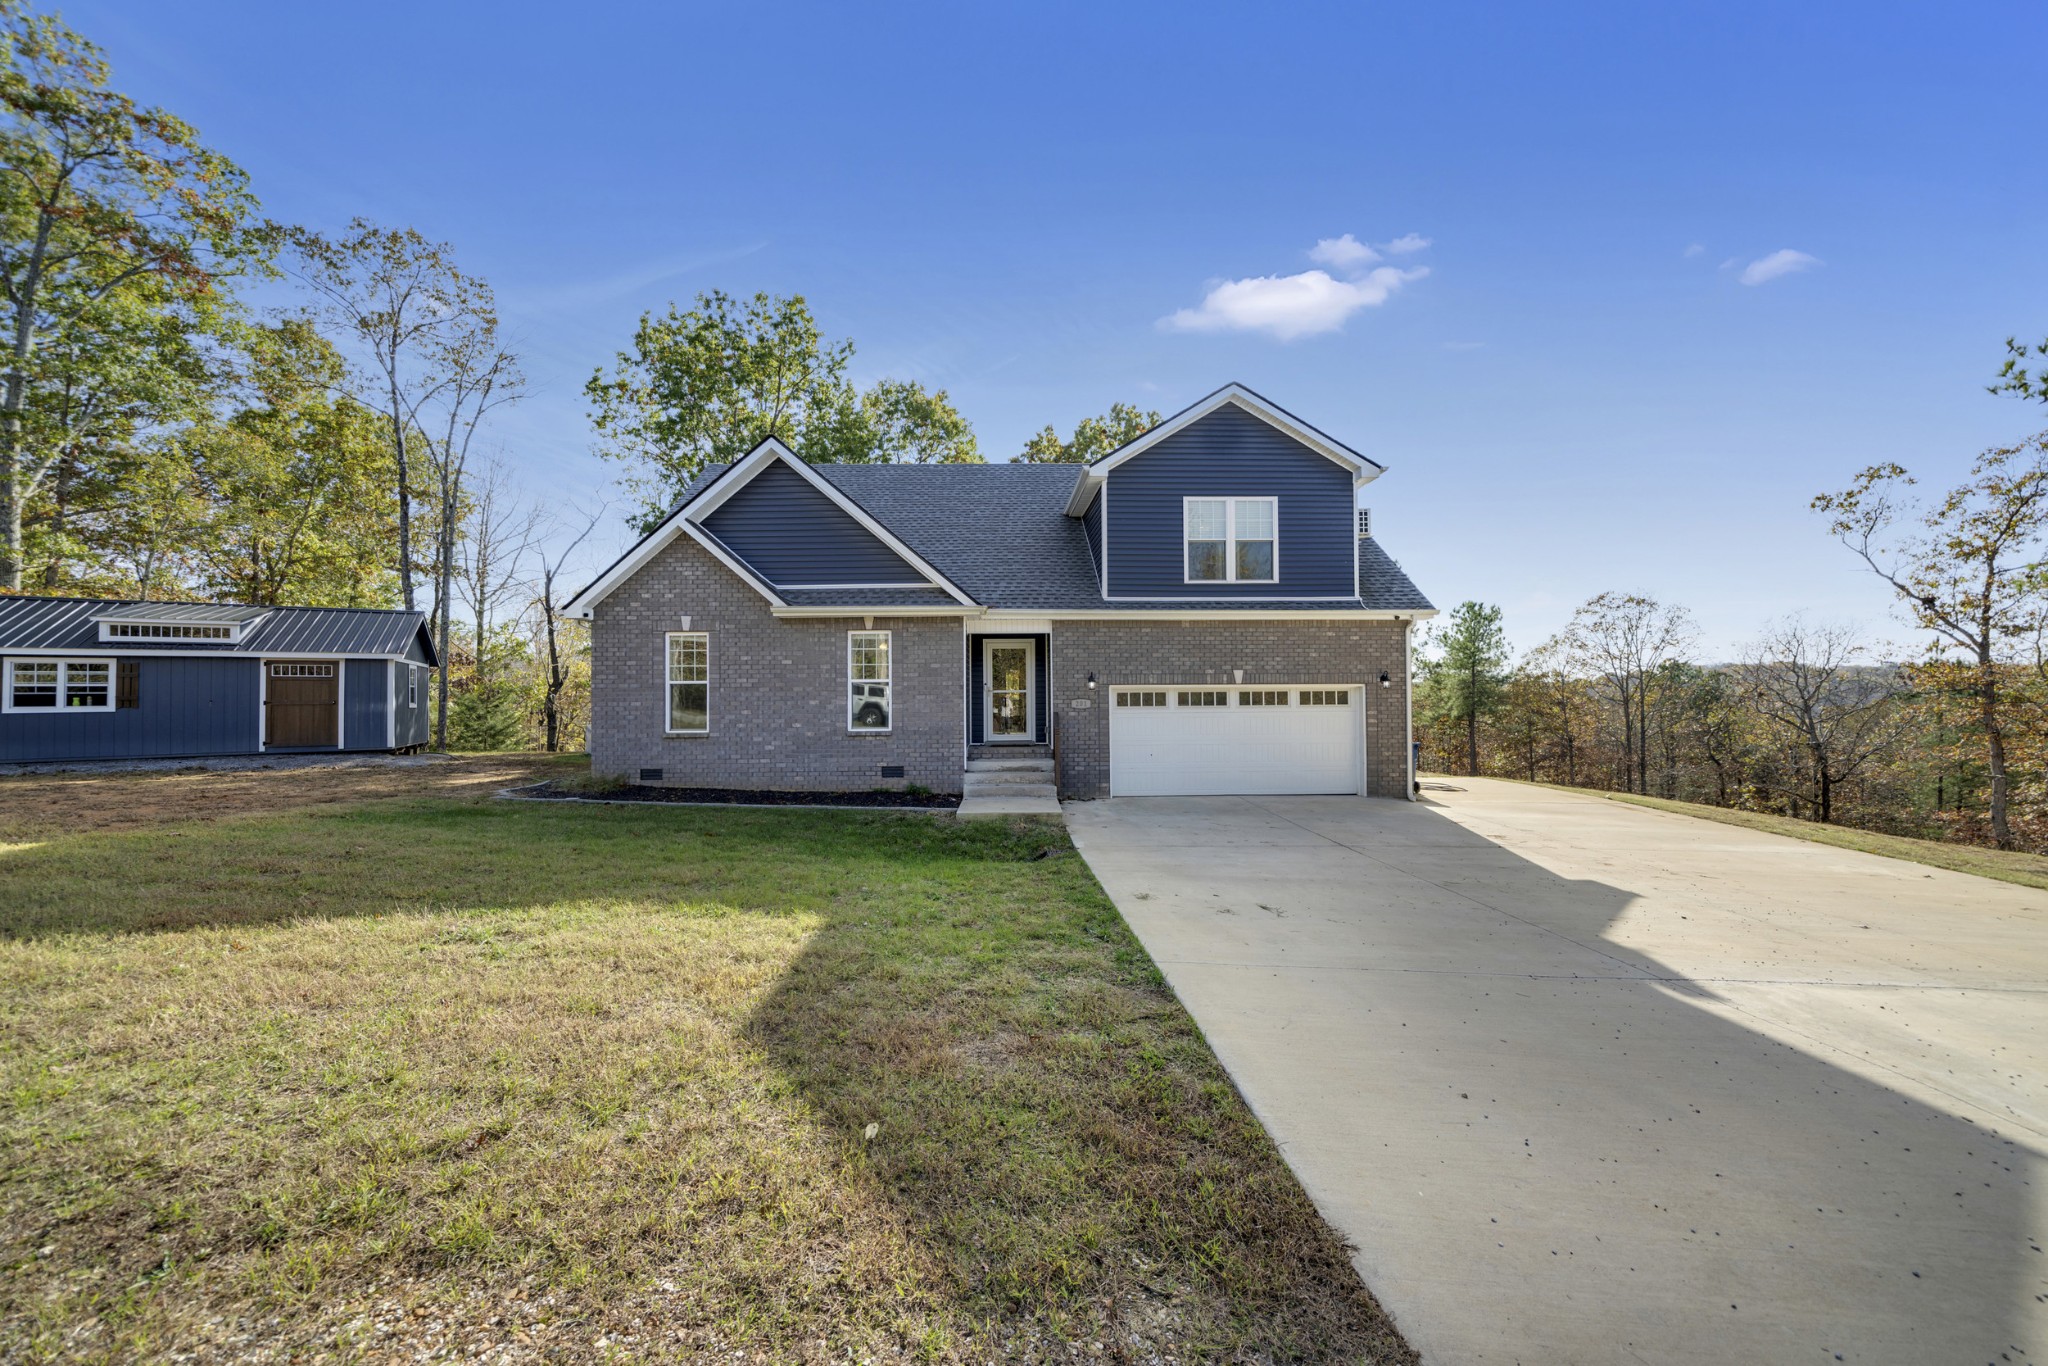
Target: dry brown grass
[(432, 1077)]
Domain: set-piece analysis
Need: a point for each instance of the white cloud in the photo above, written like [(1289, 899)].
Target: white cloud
[(1765, 269), (1289, 306), (1344, 253), (1696, 249), (1403, 246)]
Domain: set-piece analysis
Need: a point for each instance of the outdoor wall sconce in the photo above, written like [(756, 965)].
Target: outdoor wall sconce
[(1091, 680), (1386, 681)]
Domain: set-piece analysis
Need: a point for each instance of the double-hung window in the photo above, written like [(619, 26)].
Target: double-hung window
[(689, 683), (869, 706), (1231, 540), (60, 685)]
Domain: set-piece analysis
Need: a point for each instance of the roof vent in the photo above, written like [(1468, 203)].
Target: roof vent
[(1364, 523)]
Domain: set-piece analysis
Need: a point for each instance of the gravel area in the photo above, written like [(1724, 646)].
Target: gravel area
[(225, 763)]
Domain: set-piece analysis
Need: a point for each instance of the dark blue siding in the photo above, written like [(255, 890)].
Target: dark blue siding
[(1230, 453), (365, 698), (790, 533), (415, 717), (186, 708), (1040, 686)]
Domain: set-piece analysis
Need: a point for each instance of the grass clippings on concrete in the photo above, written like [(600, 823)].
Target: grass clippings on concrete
[(2028, 870), (430, 1076)]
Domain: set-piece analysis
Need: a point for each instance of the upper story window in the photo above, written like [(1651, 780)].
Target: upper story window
[(689, 683), (66, 685), (1231, 540)]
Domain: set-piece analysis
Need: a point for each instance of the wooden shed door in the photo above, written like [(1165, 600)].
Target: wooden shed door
[(302, 705)]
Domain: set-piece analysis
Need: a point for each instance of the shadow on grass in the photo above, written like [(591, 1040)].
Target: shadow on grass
[(1056, 1156)]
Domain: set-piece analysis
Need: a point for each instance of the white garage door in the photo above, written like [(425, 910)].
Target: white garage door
[(1167, 742)]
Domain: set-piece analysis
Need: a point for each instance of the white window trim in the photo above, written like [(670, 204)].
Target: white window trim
[(412, 685), (889, 650), (669, 680), (64, 667), (128, 632), (1230, 502)]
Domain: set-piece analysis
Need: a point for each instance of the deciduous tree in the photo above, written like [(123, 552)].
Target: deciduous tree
[(704, 386), (1971, 574), (1093, 438), (101, 199), (1623, 639)]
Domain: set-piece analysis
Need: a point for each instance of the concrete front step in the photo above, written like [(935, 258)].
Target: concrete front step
[(1009, 763), (975, 752), (1006, 791), (989, 777), (1009, 801)]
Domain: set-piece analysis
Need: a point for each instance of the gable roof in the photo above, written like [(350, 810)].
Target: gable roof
[(708, 493), (1003, 537), (1363, 469), (53, 625)]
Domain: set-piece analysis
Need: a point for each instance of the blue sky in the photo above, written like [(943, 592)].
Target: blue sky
[(1573, 385)]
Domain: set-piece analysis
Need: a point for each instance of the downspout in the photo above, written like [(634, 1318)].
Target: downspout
[(1408, 704)]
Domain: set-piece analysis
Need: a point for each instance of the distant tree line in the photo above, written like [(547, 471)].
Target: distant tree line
[(1813, 720)]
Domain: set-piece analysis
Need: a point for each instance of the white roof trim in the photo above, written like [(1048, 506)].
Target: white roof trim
[(1363, 469)]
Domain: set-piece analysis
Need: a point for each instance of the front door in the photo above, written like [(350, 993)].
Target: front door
[(302, 704), (1006, 671)]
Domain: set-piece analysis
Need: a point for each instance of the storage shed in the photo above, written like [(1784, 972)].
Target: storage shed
[(84, 678)]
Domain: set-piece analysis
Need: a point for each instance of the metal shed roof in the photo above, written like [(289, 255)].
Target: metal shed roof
[(181, 611), (49, 625)]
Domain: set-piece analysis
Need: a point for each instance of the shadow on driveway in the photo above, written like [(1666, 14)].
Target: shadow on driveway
[(1553, 1141)]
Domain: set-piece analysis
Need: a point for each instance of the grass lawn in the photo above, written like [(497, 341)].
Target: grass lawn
[(411, 1073), (2028, 870)]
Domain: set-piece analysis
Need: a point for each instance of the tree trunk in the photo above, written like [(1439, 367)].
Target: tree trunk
[(404, 500), (441, 712), (1472, 742), (13, 487), (1987, 693)]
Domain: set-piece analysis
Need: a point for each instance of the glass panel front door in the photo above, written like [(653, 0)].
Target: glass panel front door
[(1009, 690)]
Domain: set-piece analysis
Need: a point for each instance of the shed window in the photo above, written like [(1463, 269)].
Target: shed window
[(412, 685), (689, 683), (1231, 540), (165, 630), (60, 685), (869, 704)]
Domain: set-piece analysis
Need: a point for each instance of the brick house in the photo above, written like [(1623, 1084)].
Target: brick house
[(1202, 611)]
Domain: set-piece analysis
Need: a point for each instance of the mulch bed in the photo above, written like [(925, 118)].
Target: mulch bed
[(729, 796)]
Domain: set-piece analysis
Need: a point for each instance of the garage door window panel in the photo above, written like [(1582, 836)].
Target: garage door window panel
[(869, 708)]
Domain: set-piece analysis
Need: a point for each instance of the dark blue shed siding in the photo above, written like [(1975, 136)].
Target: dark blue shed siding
[(186, 708), (414, 692), (1230, 453), (977, 709), (790, 533), (365, 699)]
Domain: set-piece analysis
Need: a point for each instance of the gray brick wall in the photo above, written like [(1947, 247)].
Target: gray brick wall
[(778, 689), (1197, 652)]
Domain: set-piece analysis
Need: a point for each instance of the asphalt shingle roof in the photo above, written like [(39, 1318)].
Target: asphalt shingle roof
[(73, 624), (1002, 534)]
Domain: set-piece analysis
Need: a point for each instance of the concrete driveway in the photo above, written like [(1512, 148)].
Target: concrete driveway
[(1588, 1083)]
